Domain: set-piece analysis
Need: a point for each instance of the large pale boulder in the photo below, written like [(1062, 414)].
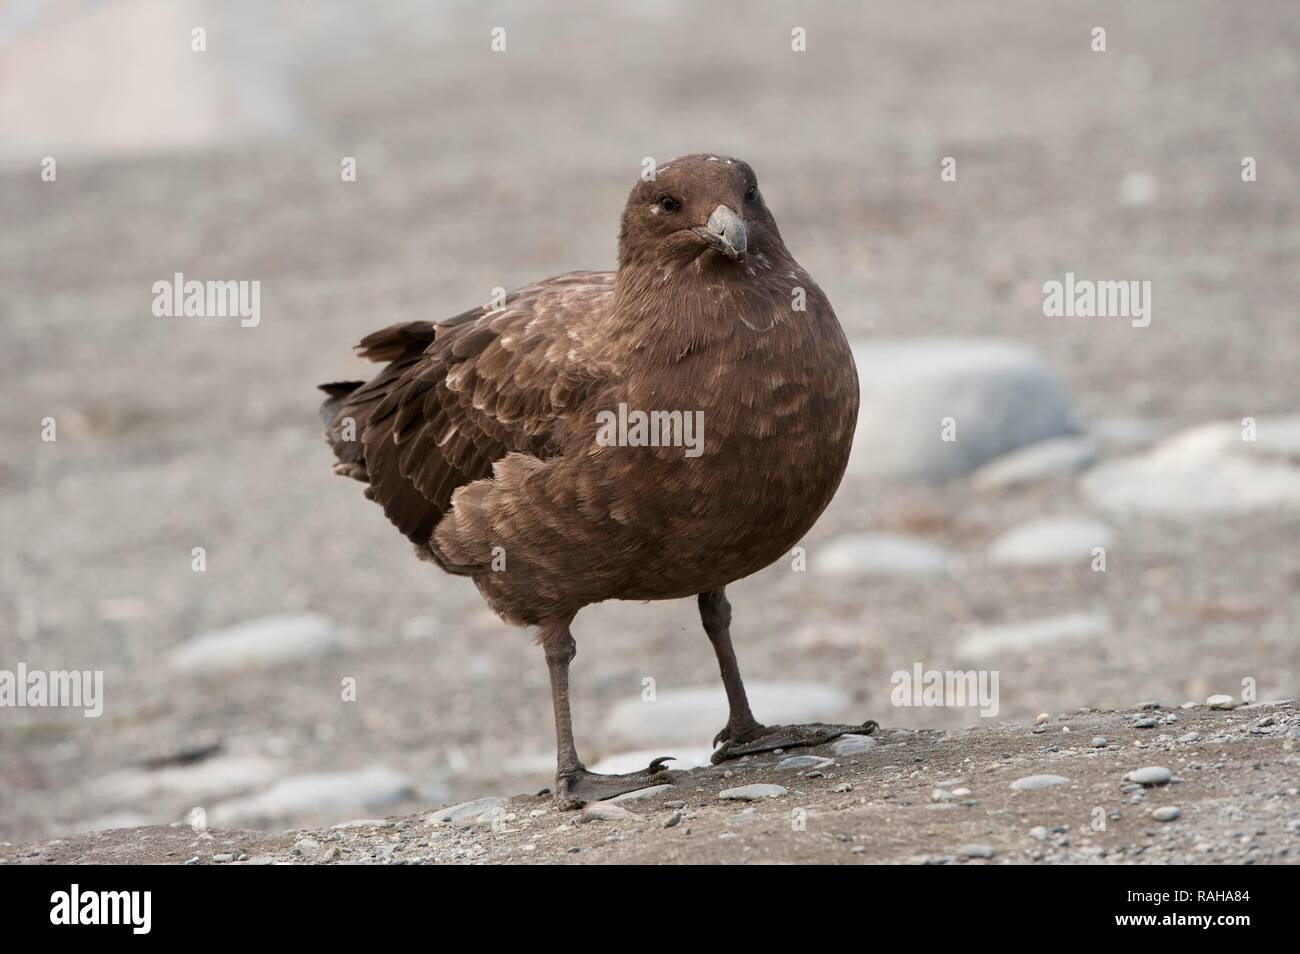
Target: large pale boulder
[(257, 644), (1218, 469), (998, 397)]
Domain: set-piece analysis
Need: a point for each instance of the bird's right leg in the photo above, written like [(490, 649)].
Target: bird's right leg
[(715, 614), (743, 734), (574, 785)]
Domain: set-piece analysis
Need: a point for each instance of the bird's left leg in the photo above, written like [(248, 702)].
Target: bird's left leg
[(743, 734), (574, 785)]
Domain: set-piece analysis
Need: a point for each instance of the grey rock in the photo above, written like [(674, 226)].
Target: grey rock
[(259, 643), (797, 762), (990, 641), (209, 778), (1098, 742), (1166, 813), (1205, 471), (977, 851), (1002, 397), (1221, 702), (1150, 775), (466, 814), (882, 554), (853, 745), (1060, 456), (641, 793), (605, 811), (1046, 541), (753, 793), (1033, 782), (329, 791)]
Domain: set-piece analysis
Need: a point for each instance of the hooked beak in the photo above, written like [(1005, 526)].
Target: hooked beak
[(726, 233)]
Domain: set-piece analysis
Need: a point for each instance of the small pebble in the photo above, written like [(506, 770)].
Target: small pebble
[(1150, 775), (977, 851), (1098, 742), (1221, 702), (1166, 813)]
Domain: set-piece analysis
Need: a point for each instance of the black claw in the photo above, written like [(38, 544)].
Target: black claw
[(658, 764)]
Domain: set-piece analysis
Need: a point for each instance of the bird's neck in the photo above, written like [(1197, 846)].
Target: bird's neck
[(675, 307)]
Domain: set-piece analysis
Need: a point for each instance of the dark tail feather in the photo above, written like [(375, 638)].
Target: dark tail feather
[(347, 445), (397, 341), (337, 391), (347, 410)]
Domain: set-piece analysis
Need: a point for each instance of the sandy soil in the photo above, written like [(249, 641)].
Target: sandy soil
[(919, 797)]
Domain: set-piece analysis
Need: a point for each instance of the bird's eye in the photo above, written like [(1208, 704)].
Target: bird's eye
[(751, 194), (668, 203)]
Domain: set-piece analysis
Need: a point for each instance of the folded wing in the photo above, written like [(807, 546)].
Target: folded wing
[(458, 395)]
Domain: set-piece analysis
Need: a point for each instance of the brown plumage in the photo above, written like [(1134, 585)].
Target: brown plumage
[(481, 436)]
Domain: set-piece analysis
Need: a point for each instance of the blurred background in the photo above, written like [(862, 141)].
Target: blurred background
[(475, 169)]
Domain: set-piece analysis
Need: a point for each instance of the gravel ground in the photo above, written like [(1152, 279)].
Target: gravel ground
[(176, 434), (1222, 789)]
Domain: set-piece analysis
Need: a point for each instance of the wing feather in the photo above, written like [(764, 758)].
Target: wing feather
[(457, 396)]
